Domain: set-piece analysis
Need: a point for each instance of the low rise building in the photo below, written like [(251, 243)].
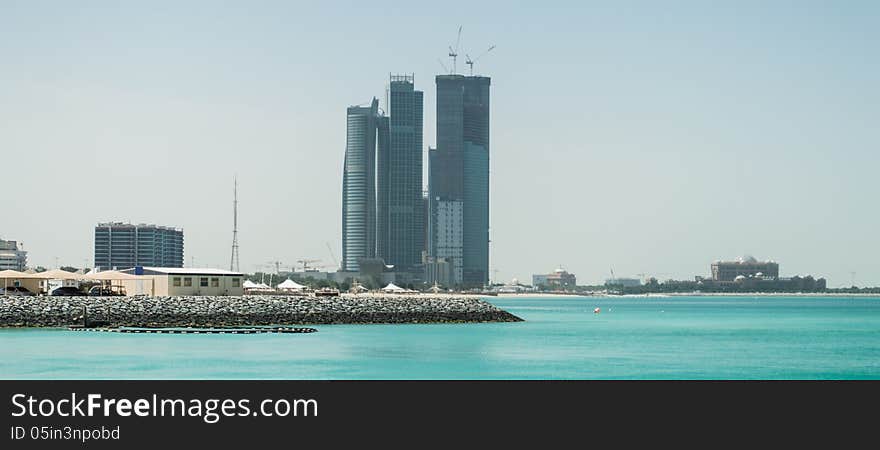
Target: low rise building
[(743, 283), (372, 273), (625, 282), (439, 271), (539, 280), (560, 278), (12, 257), (447, 236), (171, 281), (746, 266)]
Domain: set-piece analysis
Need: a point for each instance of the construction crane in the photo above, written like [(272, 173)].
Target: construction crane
[(329, 249), (445, 69), (453, 53), (278, 265), (307, 262), (470, 62)]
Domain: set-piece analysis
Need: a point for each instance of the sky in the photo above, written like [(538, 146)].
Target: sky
[(644, 137)]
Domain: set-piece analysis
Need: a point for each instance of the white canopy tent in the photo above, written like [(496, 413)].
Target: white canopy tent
[(290, 285), (393, 288), (250, 286)]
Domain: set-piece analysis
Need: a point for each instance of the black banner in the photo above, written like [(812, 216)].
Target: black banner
[(412, 414)]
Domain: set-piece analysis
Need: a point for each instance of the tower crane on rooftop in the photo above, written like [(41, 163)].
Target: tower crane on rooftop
[(470, 62), (453, 53)]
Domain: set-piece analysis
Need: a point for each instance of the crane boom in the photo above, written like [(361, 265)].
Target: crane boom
[(453, 52), (470, 62), (445, 69), (331, 254)]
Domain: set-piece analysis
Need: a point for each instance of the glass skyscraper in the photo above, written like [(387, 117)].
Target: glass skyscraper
[(459, 172), (400, 216), (359, 185), (123, 246)]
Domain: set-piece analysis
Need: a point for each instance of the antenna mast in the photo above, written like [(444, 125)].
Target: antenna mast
[(233, 263)]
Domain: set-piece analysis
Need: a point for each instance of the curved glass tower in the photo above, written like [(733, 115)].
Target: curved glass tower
[(359, 186)]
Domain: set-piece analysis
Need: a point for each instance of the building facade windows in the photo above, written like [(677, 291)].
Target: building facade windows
[(359, 186), (400, 219), (123, 246), (12, 257), (459, 171)]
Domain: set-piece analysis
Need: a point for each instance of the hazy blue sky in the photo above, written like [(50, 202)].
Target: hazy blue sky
[(652, 137)]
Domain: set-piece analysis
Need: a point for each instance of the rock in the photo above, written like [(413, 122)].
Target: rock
[(201, 311)]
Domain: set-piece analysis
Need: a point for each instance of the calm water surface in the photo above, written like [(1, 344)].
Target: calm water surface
[(633, 338)]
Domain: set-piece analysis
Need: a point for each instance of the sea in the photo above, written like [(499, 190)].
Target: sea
[(676, 337)]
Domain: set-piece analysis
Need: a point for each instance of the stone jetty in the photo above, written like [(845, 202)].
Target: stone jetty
[(204, 311)]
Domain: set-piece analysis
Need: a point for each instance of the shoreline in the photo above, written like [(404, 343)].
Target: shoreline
[(227, 311), (687, 294)]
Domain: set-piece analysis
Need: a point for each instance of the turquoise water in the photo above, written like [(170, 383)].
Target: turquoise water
[(633, 338)]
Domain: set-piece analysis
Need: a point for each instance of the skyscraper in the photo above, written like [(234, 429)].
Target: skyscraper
[(400, 216), (359, 185), (123, 246), (459, 172)]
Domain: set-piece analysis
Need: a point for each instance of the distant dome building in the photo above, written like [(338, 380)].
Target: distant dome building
[(746, 266), (560, 278)]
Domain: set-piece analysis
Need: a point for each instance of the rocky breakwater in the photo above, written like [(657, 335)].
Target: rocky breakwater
[(204, 311)]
